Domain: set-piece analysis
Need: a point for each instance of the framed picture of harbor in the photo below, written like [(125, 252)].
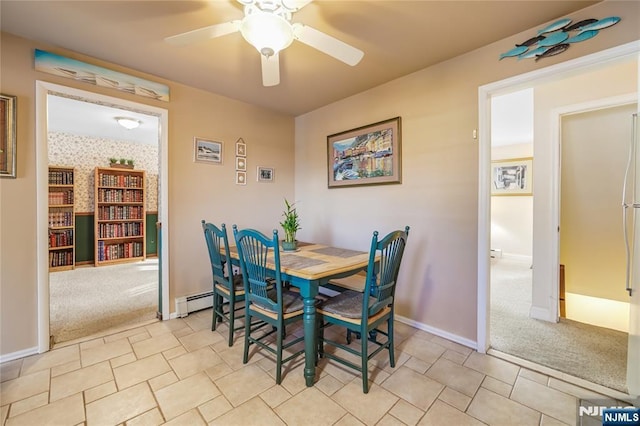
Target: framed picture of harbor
[(207, 151), (367, 155)]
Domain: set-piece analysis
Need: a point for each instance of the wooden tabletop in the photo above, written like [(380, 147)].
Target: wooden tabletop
[(316, 261)]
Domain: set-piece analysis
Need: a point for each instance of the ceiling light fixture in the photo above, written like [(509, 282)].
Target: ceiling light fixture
[(128, 122), (266, 25)]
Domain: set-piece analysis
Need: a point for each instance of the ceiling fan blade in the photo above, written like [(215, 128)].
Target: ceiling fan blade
[(327, 44), (295, 5), (270, 70), (205, 33)]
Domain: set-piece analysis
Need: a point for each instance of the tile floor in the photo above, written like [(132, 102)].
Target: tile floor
[(178, 372)]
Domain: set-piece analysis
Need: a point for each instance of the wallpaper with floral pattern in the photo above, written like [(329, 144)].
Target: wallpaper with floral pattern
[(85, 153)]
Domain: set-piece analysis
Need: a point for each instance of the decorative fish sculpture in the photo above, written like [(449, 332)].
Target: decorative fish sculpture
[(532, 41), (602, 23), (533, 53), (514, 52), (552, 51), (555, 26), (582, 36), (553, 39), (580, 24)]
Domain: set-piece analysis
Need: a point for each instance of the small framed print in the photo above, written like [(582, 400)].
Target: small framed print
[(207, 151), (241, 148), (241, 164), (241, 178), (265, 174)]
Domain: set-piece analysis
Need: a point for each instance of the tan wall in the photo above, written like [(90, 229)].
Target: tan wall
[(438, 197), (196, 190)]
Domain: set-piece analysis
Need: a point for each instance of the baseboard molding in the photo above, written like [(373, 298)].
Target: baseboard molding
[(438, 332), (19, 354)]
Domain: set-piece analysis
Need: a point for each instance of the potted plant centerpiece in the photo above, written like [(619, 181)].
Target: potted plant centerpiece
[(290, 224)]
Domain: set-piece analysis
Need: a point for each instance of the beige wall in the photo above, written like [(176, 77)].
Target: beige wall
[(438, 197), (196, 190)]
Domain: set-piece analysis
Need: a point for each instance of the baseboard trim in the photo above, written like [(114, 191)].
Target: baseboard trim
[(438, 332), (19, 354)]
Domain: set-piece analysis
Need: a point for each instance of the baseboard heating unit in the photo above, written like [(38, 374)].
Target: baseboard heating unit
[(196, 302)]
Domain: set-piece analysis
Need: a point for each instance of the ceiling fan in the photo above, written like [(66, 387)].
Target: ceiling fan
[(267, 26)]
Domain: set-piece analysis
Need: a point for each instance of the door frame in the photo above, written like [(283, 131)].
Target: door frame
[(42, 161), (546, 267)]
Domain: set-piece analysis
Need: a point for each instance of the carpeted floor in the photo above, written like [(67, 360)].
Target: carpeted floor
[(596, 354), (90, 299)]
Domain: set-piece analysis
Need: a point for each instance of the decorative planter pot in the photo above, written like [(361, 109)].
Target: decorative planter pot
[(289, 246), (121, 166)]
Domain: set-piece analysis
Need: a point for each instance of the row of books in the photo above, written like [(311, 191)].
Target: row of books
[(119, 251), (60, 258), (60, 177), (115, 230), (120, 196), (57, 198), (61, 238), (119, 212), (63, 218), (120, 180)]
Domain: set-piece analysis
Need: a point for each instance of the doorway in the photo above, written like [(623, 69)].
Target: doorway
[(43, 90), (87, 299), (545, 273)]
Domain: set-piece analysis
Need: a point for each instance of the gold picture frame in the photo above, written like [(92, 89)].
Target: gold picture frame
[(8, 140), (512, 176)]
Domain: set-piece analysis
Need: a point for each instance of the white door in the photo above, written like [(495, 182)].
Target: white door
[(633, 283)]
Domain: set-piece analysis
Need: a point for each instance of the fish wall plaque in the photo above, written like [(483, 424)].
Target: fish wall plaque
[(557, 37)]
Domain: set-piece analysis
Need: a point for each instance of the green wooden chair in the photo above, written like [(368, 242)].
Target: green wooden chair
[(266, 297), (228, 289), (364, 315)]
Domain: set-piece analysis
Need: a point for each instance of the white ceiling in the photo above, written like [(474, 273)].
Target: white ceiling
[(398, 37)]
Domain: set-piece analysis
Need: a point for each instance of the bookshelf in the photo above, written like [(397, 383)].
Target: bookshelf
[(120, 217), (61, 218)]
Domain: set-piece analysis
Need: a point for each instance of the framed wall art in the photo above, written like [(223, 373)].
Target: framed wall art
[(241, 148), (265, 174), (207, 151), (367, 155), (8, 141), (241, 163), (241, 178), (513, 176)]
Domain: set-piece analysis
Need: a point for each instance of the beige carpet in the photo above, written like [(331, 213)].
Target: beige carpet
[(91, 299), (596, 354)]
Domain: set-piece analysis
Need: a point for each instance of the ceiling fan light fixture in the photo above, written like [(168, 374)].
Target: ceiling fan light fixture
[(267, 32), (128, 122)]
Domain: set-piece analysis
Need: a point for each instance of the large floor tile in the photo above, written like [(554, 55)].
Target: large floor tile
[(554, 403), (369, 408), (120, 406), (182, 396), (443, 414), (155, 345), (495, 409), (140, 371), (190, 418), (105, 352), (424, 350), (234, 387), (80, 380), (10, 370), (24, 387), (65, 411), (50, 359), (200, 339), (191, 363), (494, 367), (455, 376), (253, 412), (310, 407), (415, 388)]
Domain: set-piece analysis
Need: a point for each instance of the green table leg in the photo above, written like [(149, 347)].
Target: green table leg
[(309, 320)]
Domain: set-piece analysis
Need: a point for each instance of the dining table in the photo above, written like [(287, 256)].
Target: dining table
[(307, 268)]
